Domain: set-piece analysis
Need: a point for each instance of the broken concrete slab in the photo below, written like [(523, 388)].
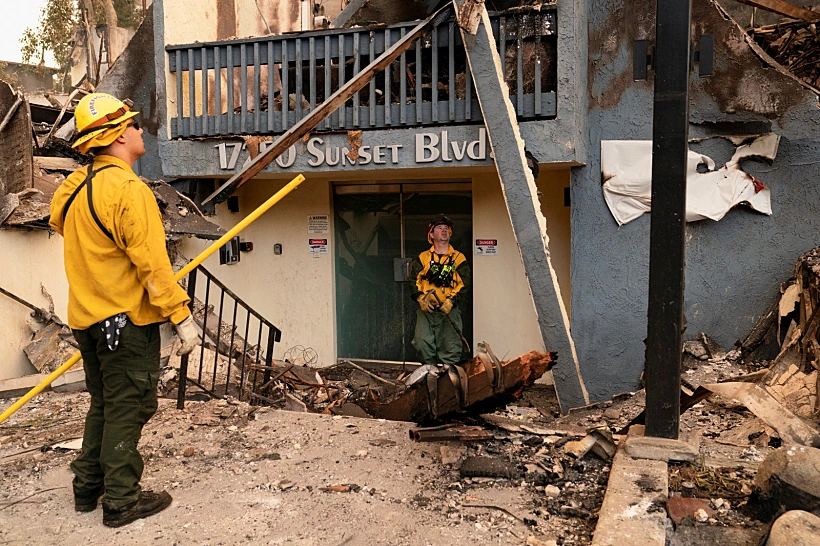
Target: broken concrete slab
[(632, 513), (640, 446), (791, 428), (795, 528)]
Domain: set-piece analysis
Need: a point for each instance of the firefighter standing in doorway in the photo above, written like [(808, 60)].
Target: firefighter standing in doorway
[(120, 288), (442, 277)]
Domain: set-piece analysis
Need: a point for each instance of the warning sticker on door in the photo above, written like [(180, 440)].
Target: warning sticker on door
[(486, 247), (317, 246)]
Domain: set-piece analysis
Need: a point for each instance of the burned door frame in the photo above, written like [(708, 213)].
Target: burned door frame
[(402, 189)]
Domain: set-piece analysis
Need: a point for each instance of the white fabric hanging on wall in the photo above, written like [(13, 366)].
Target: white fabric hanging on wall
[(626, 166)]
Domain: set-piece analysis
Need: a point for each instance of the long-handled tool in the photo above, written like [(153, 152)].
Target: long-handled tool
[(178, 276), (464, 341)]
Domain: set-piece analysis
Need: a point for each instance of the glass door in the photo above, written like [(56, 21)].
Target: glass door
[(378, 228)]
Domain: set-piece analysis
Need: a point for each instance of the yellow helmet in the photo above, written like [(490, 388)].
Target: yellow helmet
[(100, 119)]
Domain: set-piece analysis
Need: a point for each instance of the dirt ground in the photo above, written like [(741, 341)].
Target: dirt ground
[(262, 476)]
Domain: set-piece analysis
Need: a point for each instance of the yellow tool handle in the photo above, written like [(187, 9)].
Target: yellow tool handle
[(178, 276)]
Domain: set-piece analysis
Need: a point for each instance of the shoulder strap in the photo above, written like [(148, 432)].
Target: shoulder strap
[(91, 174)]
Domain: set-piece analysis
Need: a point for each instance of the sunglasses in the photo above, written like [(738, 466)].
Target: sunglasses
[(135, 124)]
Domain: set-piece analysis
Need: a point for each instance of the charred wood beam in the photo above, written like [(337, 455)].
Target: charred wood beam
[(784, 8), (413, 405), (330, 105)]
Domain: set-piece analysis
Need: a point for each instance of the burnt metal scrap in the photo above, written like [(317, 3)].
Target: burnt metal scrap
[(427, 393)]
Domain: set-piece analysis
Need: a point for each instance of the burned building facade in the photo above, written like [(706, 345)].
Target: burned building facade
[(328, 265)]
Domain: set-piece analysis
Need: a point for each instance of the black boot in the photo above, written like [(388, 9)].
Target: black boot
[(148, 504)]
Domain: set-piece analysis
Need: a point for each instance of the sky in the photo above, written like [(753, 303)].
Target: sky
[(17, 15)]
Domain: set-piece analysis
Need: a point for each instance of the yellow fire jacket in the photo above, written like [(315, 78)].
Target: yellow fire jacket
[(456, 283), (131, 274)]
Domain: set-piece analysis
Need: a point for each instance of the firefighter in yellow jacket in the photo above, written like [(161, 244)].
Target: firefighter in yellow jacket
[(442, 277), (121, 287)]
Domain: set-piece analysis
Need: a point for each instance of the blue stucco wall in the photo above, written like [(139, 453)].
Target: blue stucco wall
[(733, 267)]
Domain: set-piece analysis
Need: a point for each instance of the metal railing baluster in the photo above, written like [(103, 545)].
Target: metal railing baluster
[(204, 326), (231, 75), (192, 125), (341, 110), (285, 95), (257, 89), (326, 121), (434, 85), (271, 86), (403, 84), (217, 91), (372, 85), (243, 85), (356, 61), (519, 71), (180, 125), (451, 69), (298, 74), (419, 95), (205, 124), (312, 72), (387, 100)]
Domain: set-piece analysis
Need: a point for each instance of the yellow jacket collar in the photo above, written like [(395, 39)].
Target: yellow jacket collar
[(104, 159)]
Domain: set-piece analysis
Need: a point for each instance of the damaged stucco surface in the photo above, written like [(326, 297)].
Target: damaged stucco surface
[(733, 267)]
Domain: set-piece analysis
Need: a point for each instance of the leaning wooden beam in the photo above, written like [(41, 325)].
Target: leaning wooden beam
[(414, 405), (521, 196), (784, 8), (329, 106)]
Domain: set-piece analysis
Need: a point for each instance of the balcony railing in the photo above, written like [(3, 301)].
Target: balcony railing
[(266, 85)]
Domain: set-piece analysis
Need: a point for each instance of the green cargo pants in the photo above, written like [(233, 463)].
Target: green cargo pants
[(435, 339), (123, 388)]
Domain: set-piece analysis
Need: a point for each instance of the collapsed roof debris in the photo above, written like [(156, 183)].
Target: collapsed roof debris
[(28, 181)]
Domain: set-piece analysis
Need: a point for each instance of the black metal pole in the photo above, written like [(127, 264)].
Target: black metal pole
[(670, 135), (183, 362)]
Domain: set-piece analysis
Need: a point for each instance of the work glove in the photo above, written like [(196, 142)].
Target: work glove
[(188, 335), (425, 304), (447, 306)]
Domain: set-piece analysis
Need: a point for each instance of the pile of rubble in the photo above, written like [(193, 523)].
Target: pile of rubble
[(793, 44), (401, 393)]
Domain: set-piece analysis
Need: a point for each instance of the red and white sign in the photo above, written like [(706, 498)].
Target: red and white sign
[(317, 246), (486, 247)]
